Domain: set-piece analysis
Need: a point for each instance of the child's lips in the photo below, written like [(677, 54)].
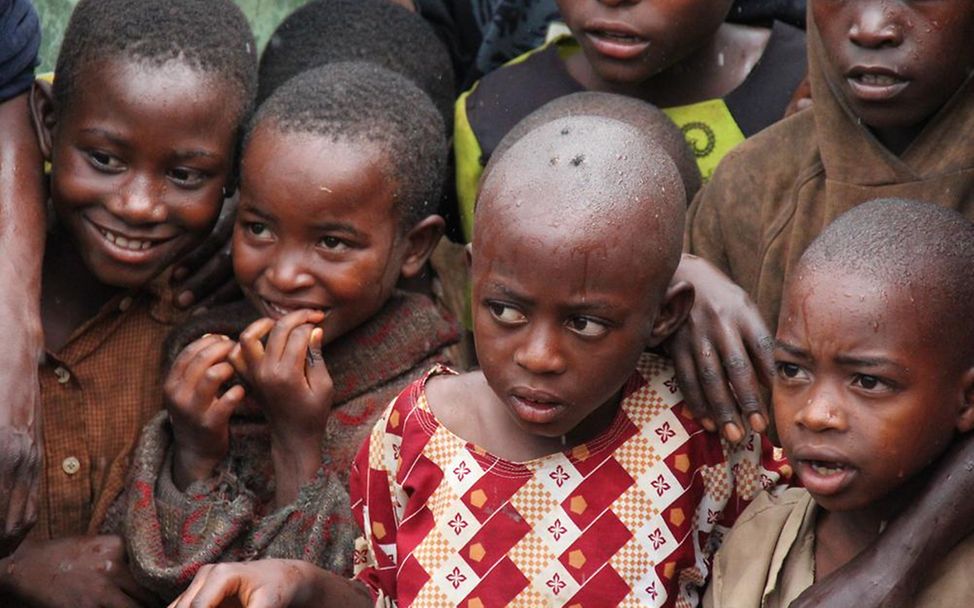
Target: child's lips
[(536, 407), (824, 477), (616, 41), (875, 84)]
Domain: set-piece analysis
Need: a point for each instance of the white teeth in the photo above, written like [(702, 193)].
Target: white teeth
[(880, 80), (120, 241), (824, 470)]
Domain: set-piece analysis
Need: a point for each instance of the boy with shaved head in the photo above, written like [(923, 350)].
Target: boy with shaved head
[(875, 359), (567, 470)]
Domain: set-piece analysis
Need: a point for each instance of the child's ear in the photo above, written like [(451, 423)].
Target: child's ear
[(965, 418), (42, 115), (420, 242), (672, 312)]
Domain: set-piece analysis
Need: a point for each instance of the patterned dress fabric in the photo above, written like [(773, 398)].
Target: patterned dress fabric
[(631, 518)]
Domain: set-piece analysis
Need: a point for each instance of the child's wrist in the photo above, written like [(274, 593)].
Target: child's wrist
[(189, 467)]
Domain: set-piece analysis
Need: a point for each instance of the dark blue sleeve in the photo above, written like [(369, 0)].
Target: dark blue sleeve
[(20, 38)]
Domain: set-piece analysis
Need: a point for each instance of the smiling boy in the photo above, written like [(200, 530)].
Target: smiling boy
[(875, 357), (140, 128)]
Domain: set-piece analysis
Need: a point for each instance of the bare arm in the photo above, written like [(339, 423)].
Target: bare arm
[(22, 244)]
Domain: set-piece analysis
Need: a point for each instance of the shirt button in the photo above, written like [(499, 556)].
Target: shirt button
[(63, 375), (125, 303), (70, 465)]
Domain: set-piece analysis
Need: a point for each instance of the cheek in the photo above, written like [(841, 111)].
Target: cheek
[(247, 263)]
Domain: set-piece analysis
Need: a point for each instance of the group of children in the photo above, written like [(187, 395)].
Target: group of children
[(312, 444)]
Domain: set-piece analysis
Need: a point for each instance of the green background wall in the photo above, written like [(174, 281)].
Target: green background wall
[(264, 16)]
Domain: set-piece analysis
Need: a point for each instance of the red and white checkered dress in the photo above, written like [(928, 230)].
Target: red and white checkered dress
[(631, 518)]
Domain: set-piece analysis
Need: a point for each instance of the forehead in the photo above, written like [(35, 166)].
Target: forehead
[(172, 97), (854, 309), (307, 174)]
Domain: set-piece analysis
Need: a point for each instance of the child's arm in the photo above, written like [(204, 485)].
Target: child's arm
[(77, 571), (290, 381), (271, 584), (22, 243), (199, 415), (724, 344), (887, 573)]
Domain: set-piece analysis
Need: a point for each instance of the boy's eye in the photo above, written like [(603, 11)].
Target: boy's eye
[(506, 314), (333, 243), (789, 370), (870, 383), (587, 327), (256, 228), (104, 161), (186, 178)]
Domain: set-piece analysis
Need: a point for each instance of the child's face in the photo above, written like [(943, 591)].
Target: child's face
[(561, 315), (317, 229), (630, 42), (866, 394), (139, 161), (896, 61)]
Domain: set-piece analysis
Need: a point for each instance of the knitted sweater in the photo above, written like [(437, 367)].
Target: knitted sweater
[(171, 534)]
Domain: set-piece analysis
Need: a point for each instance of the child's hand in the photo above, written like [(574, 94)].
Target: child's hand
[(272, 583), (288, 376), (85, 572), (293, 387), (200, 415), (722, 353)]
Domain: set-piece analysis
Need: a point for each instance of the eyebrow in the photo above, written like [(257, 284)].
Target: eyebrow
[(121, 142), (342, 227), (846, 360), (791, 349), (587, 306)]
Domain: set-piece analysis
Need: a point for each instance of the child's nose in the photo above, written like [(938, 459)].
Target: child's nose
[(876, 24), (822, 412), (287, 273), (139, 201), (541, 353)]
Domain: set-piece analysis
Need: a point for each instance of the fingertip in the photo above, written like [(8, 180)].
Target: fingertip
[(708, 423), (185, 299), (758, 422), (732, 432), (317, 334)]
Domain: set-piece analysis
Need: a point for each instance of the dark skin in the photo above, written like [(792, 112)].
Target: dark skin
[(667, 65), (21, 237), (317, 249), (884, 573), (137, 180), (870, 390)]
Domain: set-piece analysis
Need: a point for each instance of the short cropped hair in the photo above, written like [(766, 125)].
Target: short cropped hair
[(209, 35), (906, 244), (359, 101), (329, 31), (645, 116)]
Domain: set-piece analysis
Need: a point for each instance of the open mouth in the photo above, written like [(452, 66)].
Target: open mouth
[(275, 310), (536, 408), (825, 477), (877, 85), (122, 242), (616, 43)]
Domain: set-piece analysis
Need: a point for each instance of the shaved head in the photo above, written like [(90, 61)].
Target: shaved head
[(646, 117), (588, 181), (908, 249)]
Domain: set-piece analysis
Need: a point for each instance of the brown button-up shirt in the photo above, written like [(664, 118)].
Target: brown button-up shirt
[(97, 393)]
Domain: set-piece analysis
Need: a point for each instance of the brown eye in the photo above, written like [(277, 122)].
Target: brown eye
[(505, 313), (588, 327)]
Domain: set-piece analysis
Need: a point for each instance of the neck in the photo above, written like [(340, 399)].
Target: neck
[(842, 535), (711, 71), (897, 140), (70, 293)]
